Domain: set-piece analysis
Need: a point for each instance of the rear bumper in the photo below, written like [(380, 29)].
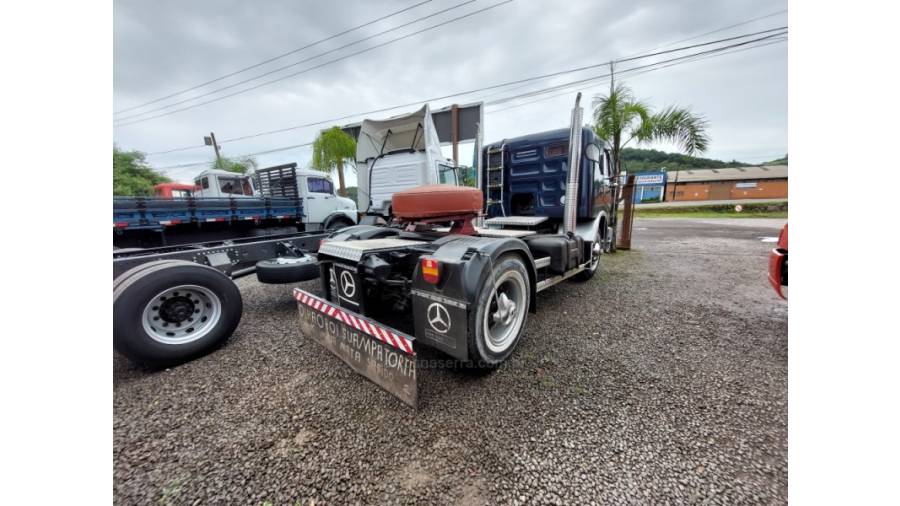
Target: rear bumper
[(382, 354), (777, 259)]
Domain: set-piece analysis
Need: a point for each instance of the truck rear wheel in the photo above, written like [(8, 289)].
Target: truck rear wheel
[(173, 312), (502, 310)]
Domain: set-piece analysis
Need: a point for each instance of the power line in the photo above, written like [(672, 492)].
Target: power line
[(274, 58), (285, 67), (266, 83), (589, 79), (266, 152), (747, 22), (496, 86), (774, 38), (601, 79), (468, 92)]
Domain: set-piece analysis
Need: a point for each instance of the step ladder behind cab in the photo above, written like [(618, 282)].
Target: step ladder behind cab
[(494, 179)]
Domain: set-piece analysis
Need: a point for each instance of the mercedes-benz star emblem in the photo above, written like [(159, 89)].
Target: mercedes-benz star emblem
[(348, 286), (438, 317)]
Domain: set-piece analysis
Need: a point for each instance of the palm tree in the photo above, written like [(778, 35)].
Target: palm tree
[(620, 118), (330, 149)]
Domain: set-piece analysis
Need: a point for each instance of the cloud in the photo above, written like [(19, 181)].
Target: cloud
[(164, 46)]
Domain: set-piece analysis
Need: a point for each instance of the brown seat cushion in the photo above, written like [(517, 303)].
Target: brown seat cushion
[(436, 200)]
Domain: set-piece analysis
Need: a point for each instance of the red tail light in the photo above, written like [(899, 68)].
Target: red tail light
[(431, 270)]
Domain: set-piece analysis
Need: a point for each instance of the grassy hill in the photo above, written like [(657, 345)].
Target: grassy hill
[(646, 160)]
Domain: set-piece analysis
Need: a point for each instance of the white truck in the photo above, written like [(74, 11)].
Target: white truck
[(323, 209), (396, 154)]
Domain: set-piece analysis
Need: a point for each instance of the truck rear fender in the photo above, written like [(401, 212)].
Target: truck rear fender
[(465, 264)]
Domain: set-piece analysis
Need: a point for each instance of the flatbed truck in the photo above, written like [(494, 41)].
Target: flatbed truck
[(224, 205)]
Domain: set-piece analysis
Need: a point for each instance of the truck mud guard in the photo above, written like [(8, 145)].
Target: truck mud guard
[(384, 355)]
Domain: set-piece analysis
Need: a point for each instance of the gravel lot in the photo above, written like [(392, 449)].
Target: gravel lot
[(664, 379)]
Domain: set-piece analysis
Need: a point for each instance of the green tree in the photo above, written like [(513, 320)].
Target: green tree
[(241, 166), (330, 150), (620, 118), (132, 175)]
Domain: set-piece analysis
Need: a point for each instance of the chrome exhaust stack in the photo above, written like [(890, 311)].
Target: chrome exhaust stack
[(569, 211)]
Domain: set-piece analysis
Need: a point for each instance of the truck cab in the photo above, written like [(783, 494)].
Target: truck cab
[(397, 154), (323, 208), (173, 190), (214, 183), (524, 179)]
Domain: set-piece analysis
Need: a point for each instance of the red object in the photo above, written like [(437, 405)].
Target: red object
[(362, 324), (436, 201), (431, 270), (778, 263), (165, 190)]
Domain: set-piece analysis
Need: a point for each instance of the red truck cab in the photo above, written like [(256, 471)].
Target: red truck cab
[(778, 264), (173, 190)]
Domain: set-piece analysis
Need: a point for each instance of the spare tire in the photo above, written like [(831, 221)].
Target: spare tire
[(281, 270), (436, 201)]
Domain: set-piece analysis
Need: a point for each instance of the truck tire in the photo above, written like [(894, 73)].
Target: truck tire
[(134, 270), (172, 312), (596, 249), (281, 270), (501, 313)]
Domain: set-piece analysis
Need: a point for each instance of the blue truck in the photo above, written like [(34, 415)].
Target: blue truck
[(458, 269)]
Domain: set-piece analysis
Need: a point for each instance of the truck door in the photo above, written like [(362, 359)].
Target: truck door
[(320, 200)]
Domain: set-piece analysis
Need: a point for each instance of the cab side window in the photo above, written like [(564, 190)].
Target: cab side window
[(446, 174), (594, 155)]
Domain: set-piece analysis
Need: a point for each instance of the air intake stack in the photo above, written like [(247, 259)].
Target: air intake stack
[(571, 204)]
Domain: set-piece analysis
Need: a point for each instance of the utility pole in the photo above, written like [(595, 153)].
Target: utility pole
[(211, 141), (616, 169)]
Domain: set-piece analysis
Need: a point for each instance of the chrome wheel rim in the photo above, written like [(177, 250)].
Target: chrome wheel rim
[(505, 312), (181, 314), (595, 254)]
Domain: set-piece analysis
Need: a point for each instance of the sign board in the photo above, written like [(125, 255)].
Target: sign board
[(751, 184), (655, 178)]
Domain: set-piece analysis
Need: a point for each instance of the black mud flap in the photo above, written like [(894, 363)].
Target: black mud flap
[(378, 352)]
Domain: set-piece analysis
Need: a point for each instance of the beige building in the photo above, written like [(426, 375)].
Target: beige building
[(763, 182)]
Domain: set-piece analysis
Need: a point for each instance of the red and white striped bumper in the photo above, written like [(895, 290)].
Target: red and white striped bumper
[(384, 355)]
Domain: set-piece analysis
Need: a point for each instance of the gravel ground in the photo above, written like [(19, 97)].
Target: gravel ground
[(664, 379)]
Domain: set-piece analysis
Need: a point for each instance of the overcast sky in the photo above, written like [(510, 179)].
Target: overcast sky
[(166, 46)]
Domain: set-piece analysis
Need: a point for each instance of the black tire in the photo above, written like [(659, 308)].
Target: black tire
[(338, 223), (139, 268), (135, 295), (588, 273), (278, 271), (482, 357)]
